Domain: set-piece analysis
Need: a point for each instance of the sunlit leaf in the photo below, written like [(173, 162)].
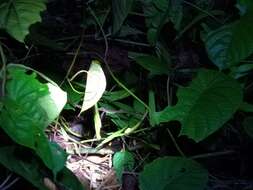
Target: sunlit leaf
[(54, 102), (173, 173), (28, 108), (95, 86)]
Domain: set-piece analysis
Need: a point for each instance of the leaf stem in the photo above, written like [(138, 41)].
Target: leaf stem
[(175, 143)]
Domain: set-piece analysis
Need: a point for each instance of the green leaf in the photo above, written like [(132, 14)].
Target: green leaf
[(173, 173), (17, 16), (29, 170), (241, 71), (116, 95), (232, 43), (73, 97), (158, 13), (205, 105), (28, 108), (95, 86), (246, 107), (122, 161), (120, 10), (52, 155), (153, 64)]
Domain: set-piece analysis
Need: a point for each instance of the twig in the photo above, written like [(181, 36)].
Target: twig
[(213, 154), (3, 70)]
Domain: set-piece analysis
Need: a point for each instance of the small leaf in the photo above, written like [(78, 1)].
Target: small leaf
[(120, 10), (173, 173), (232, 43), (17, 16), (95, 86), (205, 105), (122, 161)]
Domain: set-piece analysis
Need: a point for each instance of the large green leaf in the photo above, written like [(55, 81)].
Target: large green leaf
[(120, 10), (122, 161), (17, 16), (173, 173), (230, 44), (205, 105), (25, 116)]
